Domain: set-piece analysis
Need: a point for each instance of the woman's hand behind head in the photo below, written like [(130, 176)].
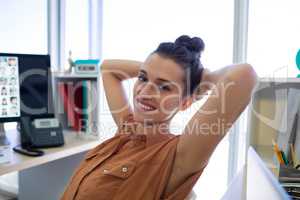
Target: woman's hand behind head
[(206, 84)]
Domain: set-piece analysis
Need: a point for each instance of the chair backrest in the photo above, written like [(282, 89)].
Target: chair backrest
[(191, 196), (237, 187)]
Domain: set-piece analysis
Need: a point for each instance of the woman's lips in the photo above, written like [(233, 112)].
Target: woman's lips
[(144, 106)]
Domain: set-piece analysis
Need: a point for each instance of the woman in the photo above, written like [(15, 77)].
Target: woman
[(144, 160)]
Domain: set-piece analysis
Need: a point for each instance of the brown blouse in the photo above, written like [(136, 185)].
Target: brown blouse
[(129, 166)]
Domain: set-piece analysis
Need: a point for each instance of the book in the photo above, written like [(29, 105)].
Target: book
[(93, 111), (85, 105), (77, 106), (65, 93)]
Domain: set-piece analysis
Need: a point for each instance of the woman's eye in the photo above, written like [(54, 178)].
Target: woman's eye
[(142, 78), (164, 87)]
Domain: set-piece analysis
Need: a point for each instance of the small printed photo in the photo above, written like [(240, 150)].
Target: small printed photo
[(13, 100), (3, 91), (2, 70), (14, 110), (4, 102), (13, 81), (12, 61), (3, 81), (4, 112), (13, 70), (13, 91), (3, 59), (3, 62)]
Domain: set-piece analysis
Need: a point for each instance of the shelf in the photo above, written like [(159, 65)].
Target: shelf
[(66, 97), (280, 80), (268, 104), (77, 76)]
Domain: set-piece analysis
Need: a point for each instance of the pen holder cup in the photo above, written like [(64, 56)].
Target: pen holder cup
[(287, 173)]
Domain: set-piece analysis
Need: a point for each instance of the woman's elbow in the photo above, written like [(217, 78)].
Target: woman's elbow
[(244, 74), (249, 75), (104, 65)]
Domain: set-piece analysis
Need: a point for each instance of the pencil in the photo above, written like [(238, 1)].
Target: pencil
[(293, 155), (278, 153)]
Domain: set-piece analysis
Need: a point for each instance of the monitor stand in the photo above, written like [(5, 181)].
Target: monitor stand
[(3, 138)]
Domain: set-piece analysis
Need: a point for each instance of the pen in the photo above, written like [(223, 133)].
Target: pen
[(286, 162)]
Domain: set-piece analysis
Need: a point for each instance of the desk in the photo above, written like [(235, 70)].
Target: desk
[(45, 177)]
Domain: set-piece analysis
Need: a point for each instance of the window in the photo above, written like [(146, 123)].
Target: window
[(274, 30), (17, 25), (132, 32), (76, 29), (23, 30)]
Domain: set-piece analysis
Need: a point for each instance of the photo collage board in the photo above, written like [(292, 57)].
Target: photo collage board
[(9, 87)]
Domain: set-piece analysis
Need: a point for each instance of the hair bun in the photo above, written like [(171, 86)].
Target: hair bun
[(194, 44)]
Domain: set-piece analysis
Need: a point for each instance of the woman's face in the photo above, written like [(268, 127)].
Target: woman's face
[(158, 92)]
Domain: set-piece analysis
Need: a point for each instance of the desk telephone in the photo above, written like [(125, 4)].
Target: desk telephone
[(39, 133)]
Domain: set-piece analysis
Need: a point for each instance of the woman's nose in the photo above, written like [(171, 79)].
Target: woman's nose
[(149, 89)]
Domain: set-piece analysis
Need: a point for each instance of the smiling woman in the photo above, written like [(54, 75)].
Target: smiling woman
[(143, 27), (144, 160)]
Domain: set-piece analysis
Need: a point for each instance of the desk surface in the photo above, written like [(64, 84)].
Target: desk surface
[(73, 145)]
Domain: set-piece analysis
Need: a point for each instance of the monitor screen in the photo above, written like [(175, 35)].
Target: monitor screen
[(9, 88), (35, 83)]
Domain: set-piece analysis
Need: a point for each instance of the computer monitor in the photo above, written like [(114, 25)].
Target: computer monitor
[(27, 84), (36, 93)]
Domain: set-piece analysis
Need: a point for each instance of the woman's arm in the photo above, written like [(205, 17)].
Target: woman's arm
[(230, 94), (113, 73), (209, 80)]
